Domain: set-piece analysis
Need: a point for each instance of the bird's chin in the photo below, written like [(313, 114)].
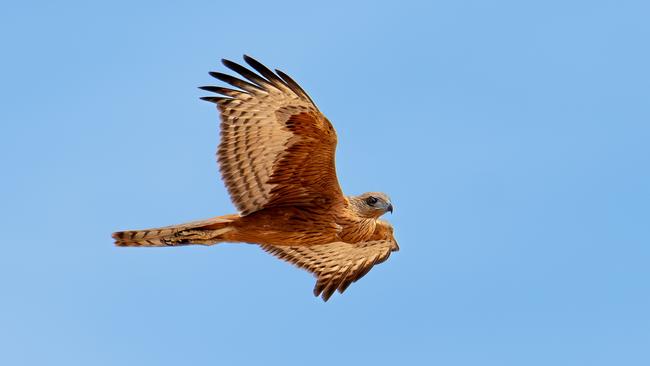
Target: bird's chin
[(380, 214)]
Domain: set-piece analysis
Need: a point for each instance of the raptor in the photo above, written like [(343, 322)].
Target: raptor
[(277, 160)]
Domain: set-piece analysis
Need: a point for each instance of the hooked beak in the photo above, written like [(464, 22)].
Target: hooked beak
[(390, 208)]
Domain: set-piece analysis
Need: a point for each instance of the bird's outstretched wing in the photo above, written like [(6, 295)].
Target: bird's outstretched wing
[(335, 265), (276, 147)]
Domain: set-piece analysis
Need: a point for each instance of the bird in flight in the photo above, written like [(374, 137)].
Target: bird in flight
[(276, 158)]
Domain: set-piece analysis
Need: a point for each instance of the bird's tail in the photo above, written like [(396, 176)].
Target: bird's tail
[(204, 232)]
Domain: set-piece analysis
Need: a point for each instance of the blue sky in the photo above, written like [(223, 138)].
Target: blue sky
[(513, 138)]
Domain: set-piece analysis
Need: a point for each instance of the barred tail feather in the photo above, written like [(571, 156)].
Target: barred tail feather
[(204, 232)]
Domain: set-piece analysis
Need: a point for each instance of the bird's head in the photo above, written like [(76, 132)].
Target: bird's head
[(371, 204)]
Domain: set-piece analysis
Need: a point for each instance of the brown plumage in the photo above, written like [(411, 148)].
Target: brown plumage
[(276, 158)]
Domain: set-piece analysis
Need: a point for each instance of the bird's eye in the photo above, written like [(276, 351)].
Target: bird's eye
[(371, 200)]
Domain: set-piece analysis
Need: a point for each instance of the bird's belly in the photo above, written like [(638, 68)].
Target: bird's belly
[(285, 226)]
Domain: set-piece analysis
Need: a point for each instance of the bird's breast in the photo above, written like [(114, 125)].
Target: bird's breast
[(354, 229)]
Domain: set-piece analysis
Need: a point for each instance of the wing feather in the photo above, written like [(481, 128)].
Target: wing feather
[(293, 85), (335, 265), (276, 147), (241, 70), (241, 84), (265, 71)]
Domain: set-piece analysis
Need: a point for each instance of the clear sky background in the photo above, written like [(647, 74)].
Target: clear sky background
[(513, 138)]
